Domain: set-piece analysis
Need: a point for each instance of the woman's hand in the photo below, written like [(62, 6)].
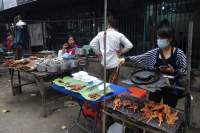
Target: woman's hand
[(168, 69), (119, 53), (65, 46), (121, 61)]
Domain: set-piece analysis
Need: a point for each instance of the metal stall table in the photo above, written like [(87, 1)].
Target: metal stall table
[(40, 78)]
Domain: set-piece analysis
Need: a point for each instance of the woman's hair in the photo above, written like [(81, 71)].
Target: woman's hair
[(165, 30), (73, 38)]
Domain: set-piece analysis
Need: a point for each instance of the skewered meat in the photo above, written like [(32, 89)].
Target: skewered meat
[(158, 107), (133, 106), (155, 115), (147, 107), (160, 116), (151, 111), (147, 115), (117, 104), (94, 95), (172, 118), (167, 109), (161, 112), (126, 103), (152, 115)]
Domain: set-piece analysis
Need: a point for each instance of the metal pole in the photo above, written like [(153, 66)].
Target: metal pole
[(104, 103), (188, 91)]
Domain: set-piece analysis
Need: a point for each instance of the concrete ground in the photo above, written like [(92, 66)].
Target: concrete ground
[(25, 114)]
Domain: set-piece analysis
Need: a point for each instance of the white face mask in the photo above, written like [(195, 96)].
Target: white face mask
[(162, 43)]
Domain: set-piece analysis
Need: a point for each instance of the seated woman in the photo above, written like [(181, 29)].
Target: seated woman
[(69, 47), (167, 59)]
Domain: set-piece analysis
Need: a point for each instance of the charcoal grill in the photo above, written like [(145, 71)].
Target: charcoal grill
[(136, 117)]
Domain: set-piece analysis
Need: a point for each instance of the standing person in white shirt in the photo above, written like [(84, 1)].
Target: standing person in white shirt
[(114, 39)]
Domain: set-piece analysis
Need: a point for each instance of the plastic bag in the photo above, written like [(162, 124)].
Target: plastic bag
[(115, 128)]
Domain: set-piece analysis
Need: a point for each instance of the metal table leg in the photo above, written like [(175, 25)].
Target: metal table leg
[(41, 88), (18, 87), (19, 82), (11, 71), (77, 123), (44, 105)]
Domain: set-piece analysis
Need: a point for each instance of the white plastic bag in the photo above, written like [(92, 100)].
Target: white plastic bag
[(60, 53), (115, 128)]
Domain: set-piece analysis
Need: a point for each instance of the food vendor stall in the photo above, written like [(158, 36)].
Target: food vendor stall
[(138, 112), (87, 92), (42, 70), (145, 115), (121, 105), (150, 116)]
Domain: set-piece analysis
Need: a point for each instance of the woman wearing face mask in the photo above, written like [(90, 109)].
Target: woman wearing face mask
[(167, 59)]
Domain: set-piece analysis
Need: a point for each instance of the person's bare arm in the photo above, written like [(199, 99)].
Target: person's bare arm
[(95, 45), (126, 43)]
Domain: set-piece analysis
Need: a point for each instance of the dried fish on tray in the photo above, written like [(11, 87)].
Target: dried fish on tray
[(22, 65), (159, 116), (95, 93), (76, 87), (71, 84)]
